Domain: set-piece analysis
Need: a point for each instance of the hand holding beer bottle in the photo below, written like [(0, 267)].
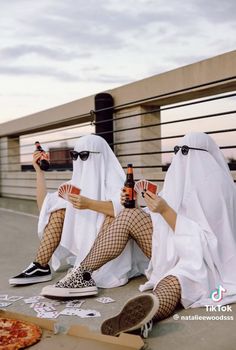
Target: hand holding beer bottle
[(43, 160), (129, 188)]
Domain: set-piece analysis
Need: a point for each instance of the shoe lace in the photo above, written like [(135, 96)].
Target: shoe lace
[(146, 328), (29, 267)]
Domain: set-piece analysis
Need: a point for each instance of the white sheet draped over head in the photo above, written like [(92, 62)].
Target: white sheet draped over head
[(100, 177), (202, 250)]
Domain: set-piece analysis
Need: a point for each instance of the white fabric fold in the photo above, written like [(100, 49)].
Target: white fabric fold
[(100, 177), (201, 252)]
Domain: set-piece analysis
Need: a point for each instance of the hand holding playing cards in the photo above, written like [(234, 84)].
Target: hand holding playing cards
[(66, 189), (158, 205), (155, 203), (78, 201)]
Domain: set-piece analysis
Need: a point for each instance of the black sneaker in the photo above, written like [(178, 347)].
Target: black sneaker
[(34, 273)]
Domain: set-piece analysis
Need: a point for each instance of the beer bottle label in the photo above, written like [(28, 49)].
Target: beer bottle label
[(130, 192)]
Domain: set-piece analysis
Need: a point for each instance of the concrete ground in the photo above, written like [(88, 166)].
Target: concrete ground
[(18, 243)]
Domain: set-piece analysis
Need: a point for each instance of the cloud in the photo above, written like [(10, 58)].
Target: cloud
[(109, 42), (17, 51), (104, 78), (38, 71), (216, 11)]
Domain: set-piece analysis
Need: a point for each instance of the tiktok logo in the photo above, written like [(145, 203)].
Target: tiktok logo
[(217, 294)]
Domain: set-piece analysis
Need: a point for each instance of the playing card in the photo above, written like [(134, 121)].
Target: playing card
[(75, 303), (66, 189), (33, 300), (14, 298), (142, 186), (51, 314), (4, 304), (74, 190), (105, 300), (89, 313), (70, 311), (40, 307), (150, 186)]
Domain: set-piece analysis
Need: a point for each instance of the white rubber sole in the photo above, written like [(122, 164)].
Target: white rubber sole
[(52, 291), (134, 314), (29, 280)]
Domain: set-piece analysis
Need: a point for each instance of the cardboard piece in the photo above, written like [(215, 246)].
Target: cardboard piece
[(56, 336)]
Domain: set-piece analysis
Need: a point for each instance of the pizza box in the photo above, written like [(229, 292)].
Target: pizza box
[(56, 336)]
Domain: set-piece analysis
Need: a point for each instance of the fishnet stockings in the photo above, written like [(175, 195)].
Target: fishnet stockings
[(168, 292), (51, 237), (114, 235), (112, 239)]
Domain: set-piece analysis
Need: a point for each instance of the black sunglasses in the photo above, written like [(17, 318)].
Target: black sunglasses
[(185, 149), (83, 154)]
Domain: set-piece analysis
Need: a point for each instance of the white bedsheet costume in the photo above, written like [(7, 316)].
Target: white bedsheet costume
[(202, 250), (100, 177)]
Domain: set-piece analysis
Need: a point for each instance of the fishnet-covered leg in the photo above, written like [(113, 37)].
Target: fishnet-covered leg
[(106, 223), (168, 292), (111, 240), (51, 237)]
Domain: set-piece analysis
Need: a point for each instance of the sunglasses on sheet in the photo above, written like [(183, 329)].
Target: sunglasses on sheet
[(185, 149), (83, 154)]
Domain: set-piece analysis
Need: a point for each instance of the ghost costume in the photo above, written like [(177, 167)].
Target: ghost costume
[(201, 252), (100, 177)]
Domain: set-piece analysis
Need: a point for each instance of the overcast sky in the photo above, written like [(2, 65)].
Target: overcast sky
[(56, 51)]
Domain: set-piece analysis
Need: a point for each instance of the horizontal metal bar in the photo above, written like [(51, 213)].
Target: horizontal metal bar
[(19, 186), (160, 109), (206, 116), (148, 99), (117, 155), (138, 114), (51, 131), (161, 152), (167, 137)]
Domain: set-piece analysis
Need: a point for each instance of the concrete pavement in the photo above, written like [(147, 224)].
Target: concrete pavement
[(18, 244)]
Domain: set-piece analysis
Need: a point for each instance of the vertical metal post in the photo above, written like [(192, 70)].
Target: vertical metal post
[(104, 110)]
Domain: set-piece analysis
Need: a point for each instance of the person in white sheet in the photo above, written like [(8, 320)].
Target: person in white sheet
[(188, 232), (68, 229)]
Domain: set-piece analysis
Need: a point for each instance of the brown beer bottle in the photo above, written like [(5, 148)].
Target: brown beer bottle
[(129, 188), (43, 162)]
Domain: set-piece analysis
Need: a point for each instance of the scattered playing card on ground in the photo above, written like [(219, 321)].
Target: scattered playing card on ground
[(14, 298), (33, 300), (41, 308), (44, 304), (70, 311), (4, 304), (51, 314), (75, 303), (105, 300), (89, 313)]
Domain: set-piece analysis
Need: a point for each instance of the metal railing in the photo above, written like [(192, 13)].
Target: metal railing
[(139, 138)]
